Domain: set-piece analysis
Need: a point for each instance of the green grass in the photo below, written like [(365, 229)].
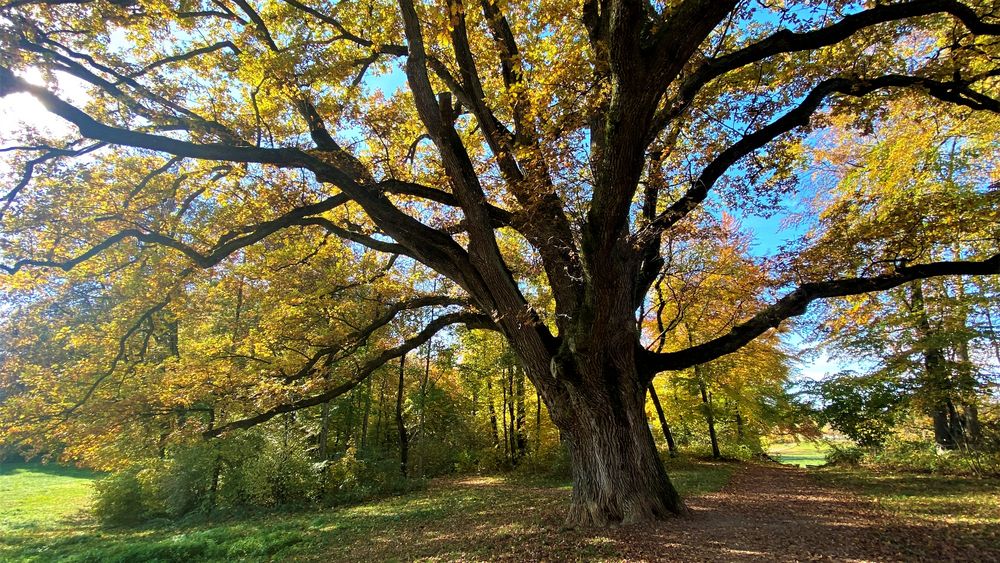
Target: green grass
[(698, 478), (802, 454), (41, 496), (965, 509), (455, 518)]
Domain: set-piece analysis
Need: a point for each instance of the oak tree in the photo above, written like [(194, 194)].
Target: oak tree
[(554, 142)]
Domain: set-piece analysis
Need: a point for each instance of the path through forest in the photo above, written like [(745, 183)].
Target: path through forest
[(767, 512), (781, 513)]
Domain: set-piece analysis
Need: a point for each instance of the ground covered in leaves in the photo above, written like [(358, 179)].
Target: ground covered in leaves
[(738, 513)]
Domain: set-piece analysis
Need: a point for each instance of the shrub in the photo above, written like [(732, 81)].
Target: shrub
[(118, 499), (274, 476), (844, 455), (252, 470), (185, 483)]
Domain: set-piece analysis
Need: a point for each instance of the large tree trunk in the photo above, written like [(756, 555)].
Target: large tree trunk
[(618, 476)]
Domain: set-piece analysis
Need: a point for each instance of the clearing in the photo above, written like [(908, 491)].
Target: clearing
[(764, 512), (804, 453)]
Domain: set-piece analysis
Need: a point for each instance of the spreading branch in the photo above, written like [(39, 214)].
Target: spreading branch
[(360, 337), (786, 41), (958, 92), (472, 320), (796, 302)]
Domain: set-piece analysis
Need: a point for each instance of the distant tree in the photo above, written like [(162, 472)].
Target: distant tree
[(933, 337), (863, 408)]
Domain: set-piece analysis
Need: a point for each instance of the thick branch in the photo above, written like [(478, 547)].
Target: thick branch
[(786, 41), (796, 302), (432, 247), (472, 320), (956, 92)]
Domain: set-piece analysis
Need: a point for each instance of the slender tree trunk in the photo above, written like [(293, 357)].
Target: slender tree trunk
[(503, 417), (706, 403), (739, 425), (511, 419), (421, 438), (323, 447), (520, 438), (493, 412), (956, 425), (379, 431), (349, 426), (364, 419), (936, 383), (538, 422), (213, 489), (324, 432), (475, 401), (404, 443), (667, 435), (968, 386)]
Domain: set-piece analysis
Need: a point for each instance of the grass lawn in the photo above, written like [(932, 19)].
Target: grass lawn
[(41, 496), (966, 510), (455, 518), (802, 454)]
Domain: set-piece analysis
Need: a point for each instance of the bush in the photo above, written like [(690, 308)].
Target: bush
[(352, 479), (185, 482), (119, 499), (741, 452), (252, 470), (844, 455), (274, 475), (924, 457)]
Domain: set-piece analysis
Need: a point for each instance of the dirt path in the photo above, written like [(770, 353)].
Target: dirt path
[(780, 513), (767, 512)]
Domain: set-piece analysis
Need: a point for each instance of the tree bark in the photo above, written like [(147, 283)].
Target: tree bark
[(618, 476)]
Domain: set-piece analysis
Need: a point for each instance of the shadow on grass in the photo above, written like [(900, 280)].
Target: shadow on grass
[(482, 518), (51, 469)]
